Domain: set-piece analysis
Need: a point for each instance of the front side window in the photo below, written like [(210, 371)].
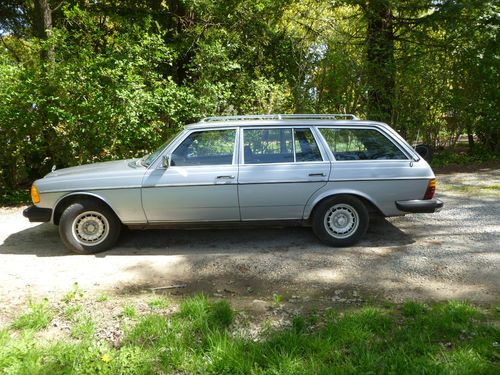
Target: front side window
[(361, 144), (212, 147)]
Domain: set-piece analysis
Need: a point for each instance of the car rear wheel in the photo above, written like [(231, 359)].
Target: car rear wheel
[(341, 220), (88, 227)]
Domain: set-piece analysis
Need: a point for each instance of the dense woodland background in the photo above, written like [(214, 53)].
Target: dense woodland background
[(89, 80)]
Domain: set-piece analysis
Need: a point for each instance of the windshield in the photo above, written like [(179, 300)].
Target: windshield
[(148, 159)]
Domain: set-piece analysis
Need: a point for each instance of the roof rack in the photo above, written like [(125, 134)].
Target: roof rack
[(333, 116)]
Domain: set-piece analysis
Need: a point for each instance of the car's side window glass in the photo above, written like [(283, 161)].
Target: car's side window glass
[(212, 147), (306, 148), (268, 146), (360, 144)]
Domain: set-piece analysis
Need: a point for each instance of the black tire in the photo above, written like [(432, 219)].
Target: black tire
[(352, 216), (89, 227), (425, 152)]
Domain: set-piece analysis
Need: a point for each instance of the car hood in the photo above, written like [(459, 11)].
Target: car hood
[(106, 175), (96, 168)]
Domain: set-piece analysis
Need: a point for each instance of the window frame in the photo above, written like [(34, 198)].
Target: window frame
[(384, 134), (234, 160), (319, 143)]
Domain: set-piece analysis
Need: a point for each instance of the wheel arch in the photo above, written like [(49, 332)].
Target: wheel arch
[(372, 207), (68, 199)]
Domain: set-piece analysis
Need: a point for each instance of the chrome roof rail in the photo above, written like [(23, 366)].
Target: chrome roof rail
[(333, 116)]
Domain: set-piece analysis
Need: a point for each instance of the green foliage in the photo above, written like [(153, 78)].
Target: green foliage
[(14, 197), (457, 156), (125, 75)]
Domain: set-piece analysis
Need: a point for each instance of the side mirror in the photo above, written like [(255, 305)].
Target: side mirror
[(165, 161)]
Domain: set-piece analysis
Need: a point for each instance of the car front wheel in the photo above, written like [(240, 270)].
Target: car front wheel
[(88, 227), (341, 220)]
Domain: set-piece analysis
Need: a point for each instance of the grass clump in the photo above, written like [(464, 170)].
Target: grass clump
[(83, 328), (157, 303), (37, 317), (102, 297), (416, 338), (75, 294), (129, 311)]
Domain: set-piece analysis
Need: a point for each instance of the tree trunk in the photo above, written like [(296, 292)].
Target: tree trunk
[(470, 137), (381, 65), (42, 26)]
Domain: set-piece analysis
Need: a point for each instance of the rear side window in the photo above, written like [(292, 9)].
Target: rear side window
[(361, 144), (306, 148), (263, 146), (268, 146)]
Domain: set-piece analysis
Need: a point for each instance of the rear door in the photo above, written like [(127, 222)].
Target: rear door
[(280, 168)]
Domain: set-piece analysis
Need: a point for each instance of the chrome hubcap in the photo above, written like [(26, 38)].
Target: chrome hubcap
[(90, 228), (341, 220)]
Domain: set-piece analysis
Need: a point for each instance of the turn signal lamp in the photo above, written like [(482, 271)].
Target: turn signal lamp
[(431, 189), (35, 197)]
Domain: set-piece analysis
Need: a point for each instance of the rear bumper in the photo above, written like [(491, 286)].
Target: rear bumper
[(420, 206), (38, 214)]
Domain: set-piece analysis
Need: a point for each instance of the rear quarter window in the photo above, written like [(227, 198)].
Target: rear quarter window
[(361, 144)]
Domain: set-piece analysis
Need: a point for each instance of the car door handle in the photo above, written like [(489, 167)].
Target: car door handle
[(317, 174), (225, 177)]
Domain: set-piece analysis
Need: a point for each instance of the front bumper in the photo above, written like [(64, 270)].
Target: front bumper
[(420, 206), (38, 214)]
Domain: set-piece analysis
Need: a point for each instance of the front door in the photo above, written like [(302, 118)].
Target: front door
[(200, 183)]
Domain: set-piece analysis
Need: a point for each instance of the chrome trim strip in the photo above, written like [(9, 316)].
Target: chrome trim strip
[(234, 183), (83, 191), (381, 179), (290, 182), (188, 185)]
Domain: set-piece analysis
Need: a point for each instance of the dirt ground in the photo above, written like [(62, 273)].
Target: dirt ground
[(453, 254)]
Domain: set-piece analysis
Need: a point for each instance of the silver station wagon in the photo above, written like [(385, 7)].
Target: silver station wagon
[(330, 172)]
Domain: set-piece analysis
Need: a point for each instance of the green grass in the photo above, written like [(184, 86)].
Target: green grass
[(159, 303), (491, 190), (102, 297), (129, 311), (202, 337), (84, 327), (70, 312), (36, 317)]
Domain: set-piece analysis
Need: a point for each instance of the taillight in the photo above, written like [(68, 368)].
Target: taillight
[(431, 189)]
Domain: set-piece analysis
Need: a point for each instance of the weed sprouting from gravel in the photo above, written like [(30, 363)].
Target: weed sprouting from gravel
[(37, 316)]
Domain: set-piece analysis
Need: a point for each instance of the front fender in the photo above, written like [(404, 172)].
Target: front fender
[(125, 203)]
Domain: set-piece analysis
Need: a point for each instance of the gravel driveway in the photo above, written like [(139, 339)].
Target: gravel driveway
[(454, 254)]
